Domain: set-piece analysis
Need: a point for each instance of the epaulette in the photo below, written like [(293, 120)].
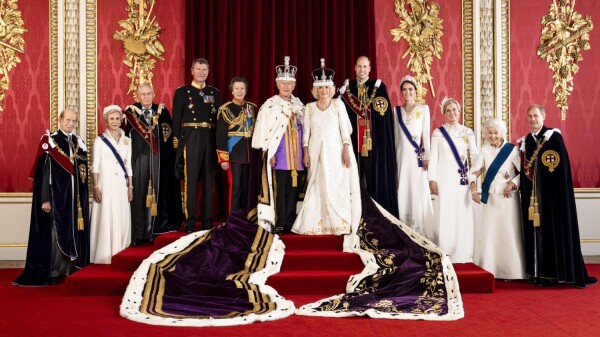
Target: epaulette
[(210, 86), (254, 105)]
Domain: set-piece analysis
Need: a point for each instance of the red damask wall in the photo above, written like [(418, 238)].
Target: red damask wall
[(447, 72), (168, 74), (531, 82), (26, 112)]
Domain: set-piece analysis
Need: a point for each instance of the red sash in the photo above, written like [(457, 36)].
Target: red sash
[(355, 105), (45, 146), (142, 130)]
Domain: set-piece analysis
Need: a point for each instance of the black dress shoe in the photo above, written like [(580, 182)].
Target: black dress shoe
[(135, 243), (189, 230), (52, 280)]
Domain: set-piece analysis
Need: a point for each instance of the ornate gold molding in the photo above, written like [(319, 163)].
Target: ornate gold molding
[(53, 64), (564, 34), (11, 43), (421, 27), (468, 65), (91, 76), (505, 47), (140, 40)]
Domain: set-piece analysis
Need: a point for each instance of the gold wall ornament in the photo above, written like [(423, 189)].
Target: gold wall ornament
[(421, 27), (140, 40), (11, 43), (564, 34)]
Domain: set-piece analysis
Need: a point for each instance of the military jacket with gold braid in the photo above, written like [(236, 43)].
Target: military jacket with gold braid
[(235, 124), (195, 109)]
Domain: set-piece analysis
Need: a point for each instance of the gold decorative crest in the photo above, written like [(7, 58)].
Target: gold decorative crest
[(11, 42), (140, 40), (421, 27), (550, 159), (564, 34)]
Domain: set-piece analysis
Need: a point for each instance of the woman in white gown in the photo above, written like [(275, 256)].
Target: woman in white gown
[(332, 199), (451, 145), (110, 230), (411, 134), (500, 242)]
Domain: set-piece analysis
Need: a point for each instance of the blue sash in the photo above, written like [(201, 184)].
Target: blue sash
[(493, 170), (462, 167), (114, 151), (419, 150), (231, 141)]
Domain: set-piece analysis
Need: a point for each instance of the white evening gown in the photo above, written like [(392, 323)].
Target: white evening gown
[(332, 199), (110, 230), (499, 247), (414, 198), (453, 209)]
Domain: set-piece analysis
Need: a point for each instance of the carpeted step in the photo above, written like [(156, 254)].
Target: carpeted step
[(321, 260), (167, 238), (98, 279), (473, 279), (316, 242), (130, 258), (310, 282)]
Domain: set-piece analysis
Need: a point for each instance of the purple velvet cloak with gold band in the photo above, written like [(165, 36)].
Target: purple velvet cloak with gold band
[(217, 277), (210, 278)]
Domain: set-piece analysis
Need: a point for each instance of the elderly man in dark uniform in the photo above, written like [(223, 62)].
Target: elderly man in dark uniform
[(59, 236), (370, 113), (234, 140), (156, 205), (194, 128), (550, 227)]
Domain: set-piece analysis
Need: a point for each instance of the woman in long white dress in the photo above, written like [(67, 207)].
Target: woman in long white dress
[(110, 230), (411, 134), (500, 242), (448, 179), (332, 199)]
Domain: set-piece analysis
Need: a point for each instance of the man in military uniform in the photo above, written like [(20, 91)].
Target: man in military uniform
[(59, 233), (234, 140), (194, 130), (370, 113), (550, 226), (156, 205)]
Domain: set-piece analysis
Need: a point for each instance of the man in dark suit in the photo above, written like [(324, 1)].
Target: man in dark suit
[(156, 205), (550, 227), (370, 113), (59, 232), (195, 109)]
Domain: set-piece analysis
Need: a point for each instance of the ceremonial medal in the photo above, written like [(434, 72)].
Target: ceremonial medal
[(191, 104), (506, 175), (550, 159)]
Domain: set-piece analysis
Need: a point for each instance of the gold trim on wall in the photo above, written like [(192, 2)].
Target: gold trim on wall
[(91, 76), (505, 46), (53, 65), (468, 66)]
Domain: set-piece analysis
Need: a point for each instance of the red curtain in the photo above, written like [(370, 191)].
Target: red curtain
[(250, 38)]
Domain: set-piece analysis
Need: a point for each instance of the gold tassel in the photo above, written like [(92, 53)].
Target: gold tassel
[(369, 140), (536, 216), (531, 199), (294, 178), (79, 219), (154, 209), (363, 151), (149, 196)]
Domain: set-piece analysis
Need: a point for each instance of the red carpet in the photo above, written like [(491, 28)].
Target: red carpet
[(514, 309), (317, 261)]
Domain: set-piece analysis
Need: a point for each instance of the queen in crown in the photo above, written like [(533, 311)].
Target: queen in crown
[(332, 198)]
